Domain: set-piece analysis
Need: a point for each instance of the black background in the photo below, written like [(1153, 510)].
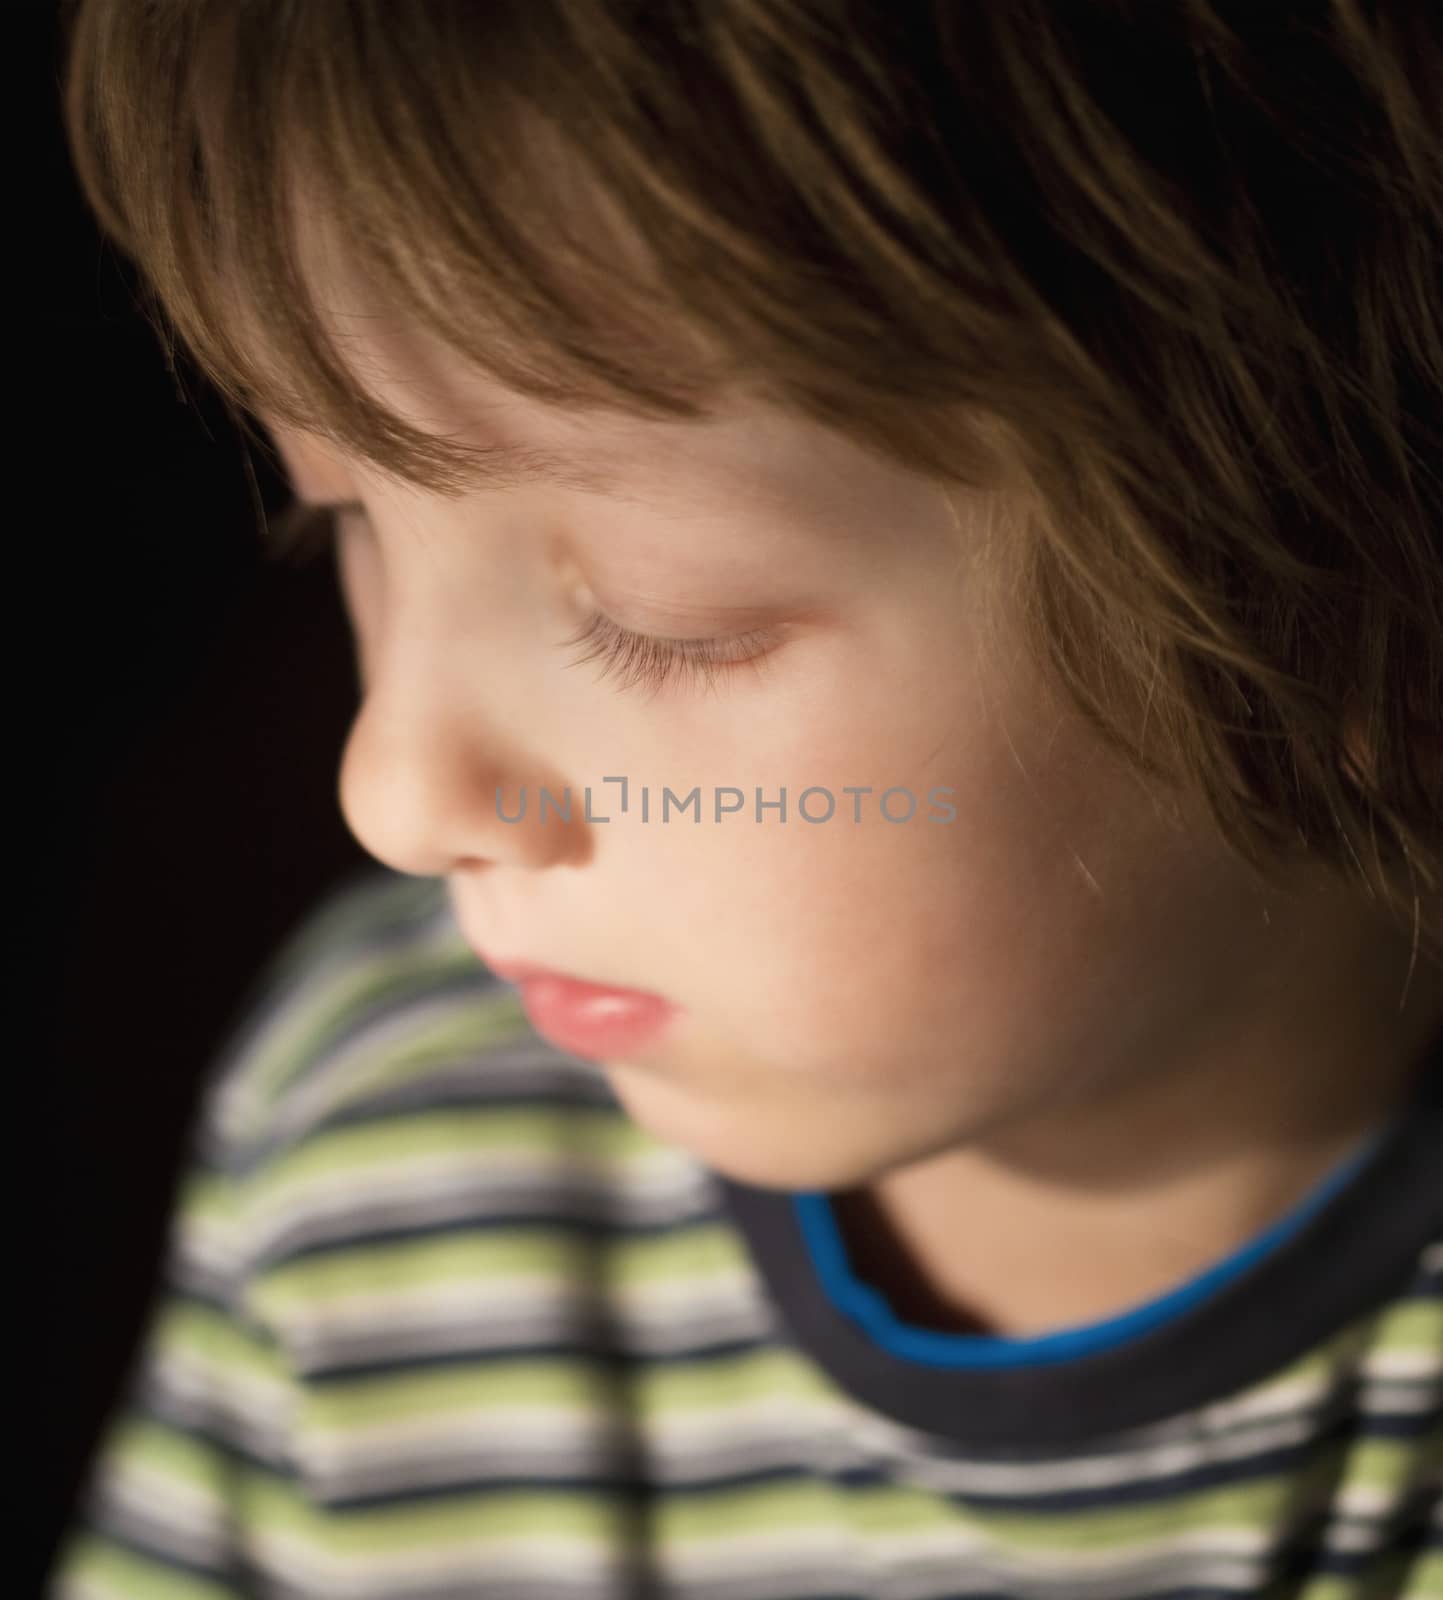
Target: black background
[(191, 700)]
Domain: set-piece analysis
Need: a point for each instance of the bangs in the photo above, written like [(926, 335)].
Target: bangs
[(466, 216), (1160, 279), (418, 176)]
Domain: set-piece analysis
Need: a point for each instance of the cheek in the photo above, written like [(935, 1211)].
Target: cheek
[(847, 948), (828, 932), (869, 929)]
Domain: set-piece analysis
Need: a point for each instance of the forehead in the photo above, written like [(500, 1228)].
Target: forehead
[(597, 285), (749, 454), (748, 447)]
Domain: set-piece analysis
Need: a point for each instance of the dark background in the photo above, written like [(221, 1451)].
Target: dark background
[(192, 698)]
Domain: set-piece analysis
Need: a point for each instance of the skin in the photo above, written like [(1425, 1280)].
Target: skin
[(1053, 1057)]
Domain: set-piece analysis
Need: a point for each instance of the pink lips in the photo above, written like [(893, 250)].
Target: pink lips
[(586, 1019)]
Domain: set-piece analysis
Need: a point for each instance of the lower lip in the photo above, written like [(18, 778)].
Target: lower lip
[(586, 1019)]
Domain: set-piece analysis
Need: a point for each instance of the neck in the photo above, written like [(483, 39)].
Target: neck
[(1148, 1176)]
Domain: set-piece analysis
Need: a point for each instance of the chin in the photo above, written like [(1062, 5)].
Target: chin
[(754, 1141)]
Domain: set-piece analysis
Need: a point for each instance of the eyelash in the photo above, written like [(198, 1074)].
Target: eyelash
[(305, 532), (646, 660)]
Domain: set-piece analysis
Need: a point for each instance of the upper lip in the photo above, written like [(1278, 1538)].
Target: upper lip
[(514, 971), (519, 969), (504, 968)]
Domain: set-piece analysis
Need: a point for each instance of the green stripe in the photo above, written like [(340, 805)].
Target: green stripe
[(531, 1132), (108, 1569), (564, 1381)]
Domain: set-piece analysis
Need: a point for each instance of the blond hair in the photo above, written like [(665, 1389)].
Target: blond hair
[(1166, 273)]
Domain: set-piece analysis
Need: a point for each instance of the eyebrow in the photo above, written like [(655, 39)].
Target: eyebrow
[(507, 466), (496, 466), (504, 466)]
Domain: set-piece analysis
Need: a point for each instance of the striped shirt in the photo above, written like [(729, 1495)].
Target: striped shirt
[(439, 1322)]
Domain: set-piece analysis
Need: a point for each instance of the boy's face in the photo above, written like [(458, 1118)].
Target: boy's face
[(854, 995)]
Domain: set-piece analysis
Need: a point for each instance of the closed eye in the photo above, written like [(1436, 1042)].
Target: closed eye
[(306, 530), (644, 660)]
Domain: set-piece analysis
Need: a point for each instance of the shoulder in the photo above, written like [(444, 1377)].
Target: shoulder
[(395, 1154)]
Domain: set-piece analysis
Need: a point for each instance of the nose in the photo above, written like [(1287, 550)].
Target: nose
[(427, 791)]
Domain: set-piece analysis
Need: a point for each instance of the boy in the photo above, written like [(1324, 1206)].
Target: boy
[(894, 1045)]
